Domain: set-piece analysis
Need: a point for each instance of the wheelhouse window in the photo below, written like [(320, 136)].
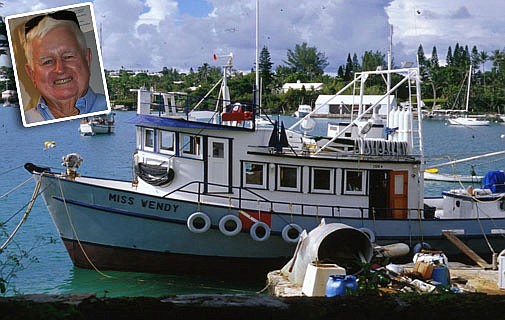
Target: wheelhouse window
[(322, 180), (191, 146), (255, 175), (167, 141), (354, 182), (217, 150), (149, 139), (288, 178)]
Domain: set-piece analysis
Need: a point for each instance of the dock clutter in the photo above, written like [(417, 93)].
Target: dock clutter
[(335, 259)]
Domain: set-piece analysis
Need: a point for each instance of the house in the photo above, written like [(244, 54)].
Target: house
[(313, 86), (343, 104)]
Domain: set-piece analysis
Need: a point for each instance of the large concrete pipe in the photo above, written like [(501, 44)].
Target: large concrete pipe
[(333, 243)]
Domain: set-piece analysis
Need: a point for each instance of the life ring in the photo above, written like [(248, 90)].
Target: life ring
[(287, 230), (198, 222), (257, 226), (369, 233), (223, 225)]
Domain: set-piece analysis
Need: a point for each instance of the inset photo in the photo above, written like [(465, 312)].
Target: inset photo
[(57, 64)]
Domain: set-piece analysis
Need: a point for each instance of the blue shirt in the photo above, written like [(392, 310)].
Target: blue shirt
[(90, 102)]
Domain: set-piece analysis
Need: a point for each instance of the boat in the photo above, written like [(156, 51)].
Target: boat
[(303, 110), (100, 124), (451, 177), (432, 173), (466, 120), (226, 197)]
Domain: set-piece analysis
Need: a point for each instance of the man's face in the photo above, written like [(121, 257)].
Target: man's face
[(60, 69)]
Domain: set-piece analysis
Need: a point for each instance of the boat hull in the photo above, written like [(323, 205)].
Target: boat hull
[(116, 227), (468, 122)]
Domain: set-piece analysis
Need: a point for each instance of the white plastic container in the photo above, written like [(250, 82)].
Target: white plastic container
[(316, 277), (501, 270)]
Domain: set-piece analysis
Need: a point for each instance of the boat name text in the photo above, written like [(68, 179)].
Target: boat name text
[(150, 204)]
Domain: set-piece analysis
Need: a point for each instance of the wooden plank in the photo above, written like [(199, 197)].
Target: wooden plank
[(466, 250)]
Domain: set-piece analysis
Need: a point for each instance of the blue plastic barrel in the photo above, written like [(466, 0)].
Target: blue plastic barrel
[(441, 275), (338, 285)]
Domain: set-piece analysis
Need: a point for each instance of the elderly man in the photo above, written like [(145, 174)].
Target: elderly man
[(58, 63)]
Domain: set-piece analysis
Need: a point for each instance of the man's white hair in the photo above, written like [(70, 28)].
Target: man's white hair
[(47, 24)]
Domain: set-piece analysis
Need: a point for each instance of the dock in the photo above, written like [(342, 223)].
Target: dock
[(466, 278)]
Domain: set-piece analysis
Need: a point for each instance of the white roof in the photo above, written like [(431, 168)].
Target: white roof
[(298, 85)]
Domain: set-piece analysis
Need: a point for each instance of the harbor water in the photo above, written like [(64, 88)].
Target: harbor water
[(44, 266)]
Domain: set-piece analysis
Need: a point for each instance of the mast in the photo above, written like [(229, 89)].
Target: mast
[(390, 59), (468, 88), (257, 84)]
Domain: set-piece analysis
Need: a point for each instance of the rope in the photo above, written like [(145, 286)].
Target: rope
[(9, 170), (25, 216), (484, 233), (75, 232), (15, 188)]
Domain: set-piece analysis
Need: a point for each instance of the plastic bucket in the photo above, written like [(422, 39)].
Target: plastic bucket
[(339, 285), (441, 275)]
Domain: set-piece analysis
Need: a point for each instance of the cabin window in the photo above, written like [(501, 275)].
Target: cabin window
[(322, 180), (255, 175), (149, 139), (191, 146), (218, 150), (139, 138), (167, 141), (288, 178), (354, 182)]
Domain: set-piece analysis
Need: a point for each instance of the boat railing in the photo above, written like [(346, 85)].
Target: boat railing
[(218, 110), (248, 199)]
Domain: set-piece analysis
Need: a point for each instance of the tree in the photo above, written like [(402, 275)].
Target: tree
[(421, 58), (307, 61), (340, 72), (355, 63), (434, 58), (371, 60), (265, 67), (475, 58), (449, 57), (348, 68)]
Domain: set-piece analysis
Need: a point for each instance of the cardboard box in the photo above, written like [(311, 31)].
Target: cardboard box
[(424, 269)]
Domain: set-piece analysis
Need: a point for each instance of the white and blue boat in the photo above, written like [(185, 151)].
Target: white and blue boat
[(223, 196)]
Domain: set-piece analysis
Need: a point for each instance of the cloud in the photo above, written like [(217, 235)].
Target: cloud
[(152, 34), (443, 24)]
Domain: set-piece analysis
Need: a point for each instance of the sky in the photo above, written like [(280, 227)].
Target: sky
[(183, 34)]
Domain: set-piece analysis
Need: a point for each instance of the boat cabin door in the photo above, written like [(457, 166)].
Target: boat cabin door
[(388, 193), (398, 194), (218, 177)]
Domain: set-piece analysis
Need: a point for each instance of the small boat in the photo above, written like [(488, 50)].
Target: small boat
[(101, 124), (465, 120), (468, 121), (448, 177), (303, 110), (263, 120)]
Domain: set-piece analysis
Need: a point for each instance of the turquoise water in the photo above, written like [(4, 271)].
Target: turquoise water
[(48, 268)]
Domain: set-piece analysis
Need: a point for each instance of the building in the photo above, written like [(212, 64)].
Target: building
[(312, 86)]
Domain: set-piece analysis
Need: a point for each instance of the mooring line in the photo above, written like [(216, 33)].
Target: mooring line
[(9, 170), (15, 188), (25, 216), (75, 233)]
